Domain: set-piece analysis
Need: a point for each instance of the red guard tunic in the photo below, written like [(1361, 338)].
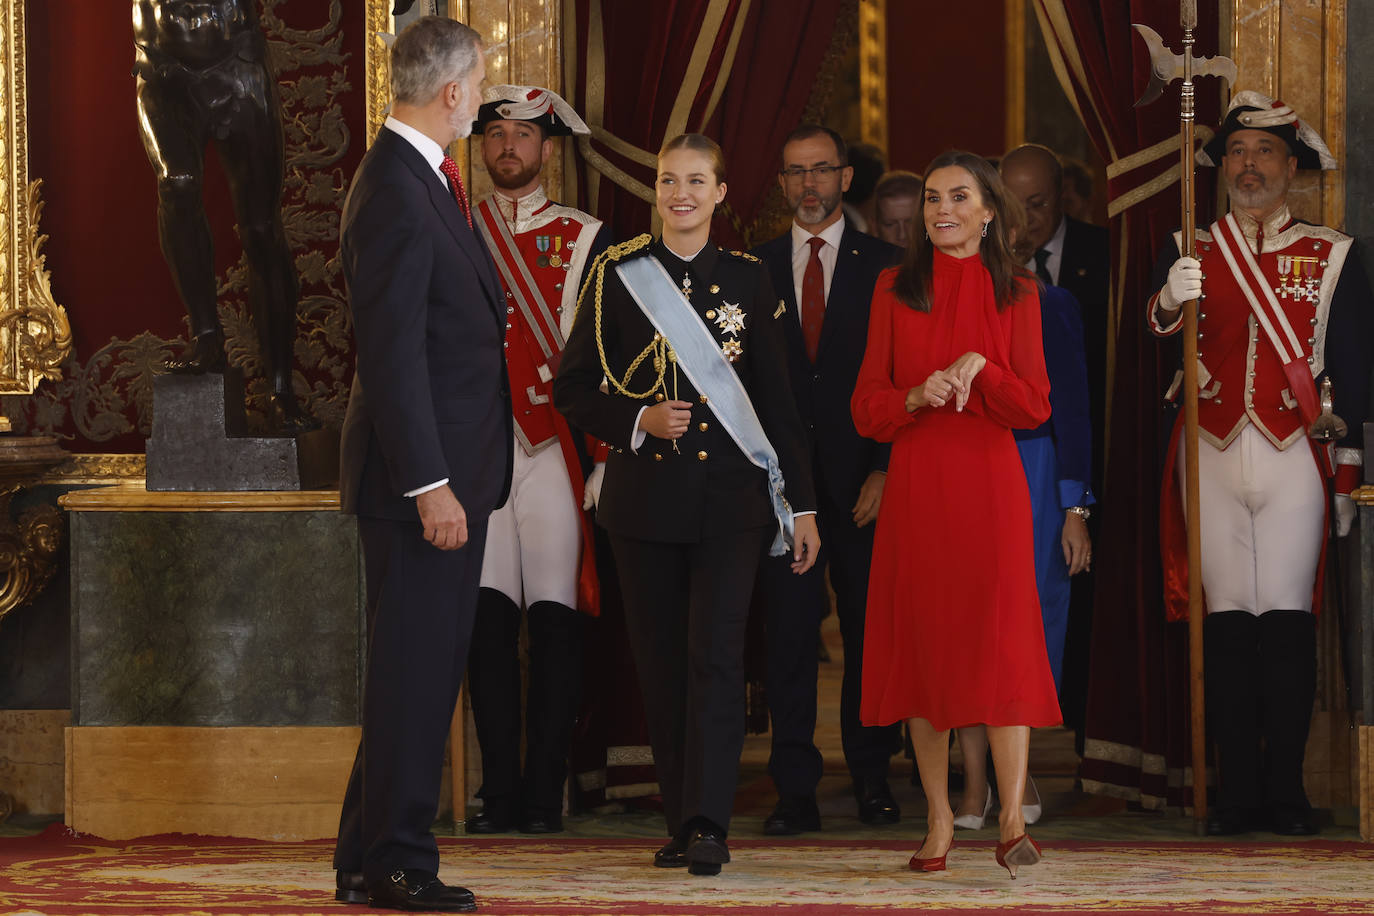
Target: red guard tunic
[(540, 249), (1241, 377)]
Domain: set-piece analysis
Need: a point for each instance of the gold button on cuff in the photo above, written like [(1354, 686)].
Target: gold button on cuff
[(703, 426), (701, 456)]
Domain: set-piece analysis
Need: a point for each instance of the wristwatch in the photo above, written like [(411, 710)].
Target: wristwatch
[(1082, 512)]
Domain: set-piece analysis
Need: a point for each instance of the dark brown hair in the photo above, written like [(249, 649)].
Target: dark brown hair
[(912, 284), (699, 143)]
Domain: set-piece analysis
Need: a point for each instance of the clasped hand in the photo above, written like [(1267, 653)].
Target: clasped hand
[(666, 419), (949, 384)]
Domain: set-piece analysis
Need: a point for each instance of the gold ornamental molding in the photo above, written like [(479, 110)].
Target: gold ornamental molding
[(92, 469), (378, 79), (134, 497), (35, 336), (873, 72)]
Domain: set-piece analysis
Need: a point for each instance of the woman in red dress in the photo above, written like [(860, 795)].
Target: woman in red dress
[(954, 363)]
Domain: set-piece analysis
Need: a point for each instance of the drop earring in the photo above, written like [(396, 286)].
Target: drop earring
[(985, 228)]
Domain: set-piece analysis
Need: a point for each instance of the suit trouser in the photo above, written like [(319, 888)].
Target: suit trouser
[(420, 606), (687, 610), (794, 606), (532, 553)]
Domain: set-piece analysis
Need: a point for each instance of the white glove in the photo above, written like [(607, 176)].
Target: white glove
[(1184, 283), (591, 493), (1345, 514)]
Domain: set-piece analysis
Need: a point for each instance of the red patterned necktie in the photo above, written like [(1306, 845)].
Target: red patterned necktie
[(455, 180), (813, 299)]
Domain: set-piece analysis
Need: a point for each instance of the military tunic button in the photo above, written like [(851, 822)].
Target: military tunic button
[(507, 325), (703, 426), (510, 310), (1316, 246), (1313, 322), (657, 456), (658, 396), (715, 288), (506, 344), (570, 245), (710, 314), (558, 286), (703, 399), (1323, 263), (1311, 341), (701, 456), (1202, 316), (1311, 360), (508, 295), (565, 221), (559, 310)]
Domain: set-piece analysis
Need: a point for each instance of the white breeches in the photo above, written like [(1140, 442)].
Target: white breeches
[(534, 540), (1262, 523)]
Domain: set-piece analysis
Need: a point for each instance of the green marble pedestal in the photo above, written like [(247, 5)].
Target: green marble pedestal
[(235, 611)]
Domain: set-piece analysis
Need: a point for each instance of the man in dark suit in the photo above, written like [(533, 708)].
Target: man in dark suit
[(1075, 256), (824, 271), (426, 457)]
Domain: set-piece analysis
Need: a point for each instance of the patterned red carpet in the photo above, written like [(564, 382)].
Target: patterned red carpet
[(63, 875)]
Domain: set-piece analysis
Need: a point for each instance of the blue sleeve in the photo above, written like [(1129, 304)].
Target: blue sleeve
[(1070, 421)]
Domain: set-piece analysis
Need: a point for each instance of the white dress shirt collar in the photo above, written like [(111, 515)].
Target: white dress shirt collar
[(423, 143)]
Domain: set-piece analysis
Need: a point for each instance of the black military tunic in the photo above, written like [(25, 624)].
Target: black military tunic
[(689, 520)]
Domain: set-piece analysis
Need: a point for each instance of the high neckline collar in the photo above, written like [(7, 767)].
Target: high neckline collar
[(518, 211), (1274, 223), (702, 265)]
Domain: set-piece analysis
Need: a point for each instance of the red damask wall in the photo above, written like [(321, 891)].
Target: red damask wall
[(100, 212), (946, 67)]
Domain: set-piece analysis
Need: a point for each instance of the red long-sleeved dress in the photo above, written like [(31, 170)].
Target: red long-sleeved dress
[(953, 632)]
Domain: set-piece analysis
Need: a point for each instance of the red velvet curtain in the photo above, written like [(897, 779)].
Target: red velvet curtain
[(1137, 738), (740, 71)]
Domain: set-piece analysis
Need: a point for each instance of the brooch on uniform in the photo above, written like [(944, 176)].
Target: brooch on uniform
[(731, 349), (730, 318)]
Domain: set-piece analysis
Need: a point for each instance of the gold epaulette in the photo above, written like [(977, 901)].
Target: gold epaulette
[(610, 255), (745, 255)]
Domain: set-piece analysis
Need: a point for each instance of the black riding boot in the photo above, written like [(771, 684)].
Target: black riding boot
[(551, 711), (1288, 662), (494, 685), (1231, 646)]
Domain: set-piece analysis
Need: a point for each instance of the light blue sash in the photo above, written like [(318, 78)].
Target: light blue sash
[(700, 357)]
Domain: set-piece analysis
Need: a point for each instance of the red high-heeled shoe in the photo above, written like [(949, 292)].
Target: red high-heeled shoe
[(931, 864), (1014, 853)]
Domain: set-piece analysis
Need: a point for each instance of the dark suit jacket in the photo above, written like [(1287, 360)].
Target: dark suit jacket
[(1085, 270), (430, 395), (706, 484), (843, 458)]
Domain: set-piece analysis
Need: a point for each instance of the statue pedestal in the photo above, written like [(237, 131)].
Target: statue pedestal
[(200, 442), (217, 658)]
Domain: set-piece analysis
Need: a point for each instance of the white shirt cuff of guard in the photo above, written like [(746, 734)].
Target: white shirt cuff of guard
[(434, 486), (637, 435), (797, 515)]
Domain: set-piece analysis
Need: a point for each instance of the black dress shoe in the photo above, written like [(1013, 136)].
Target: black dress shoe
[(489, 820), (672, 855), (410, 889), (1290, 821), (349, 887), (1230, 821), (706, 851), (542, 823), (877, 806), (792, 815)]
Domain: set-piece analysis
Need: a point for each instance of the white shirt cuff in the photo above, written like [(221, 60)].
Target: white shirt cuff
[(637, 435), (434, 486), (800, 514)]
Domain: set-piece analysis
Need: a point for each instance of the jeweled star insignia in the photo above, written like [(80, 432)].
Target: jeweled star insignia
[(730, 318), (731, 349)]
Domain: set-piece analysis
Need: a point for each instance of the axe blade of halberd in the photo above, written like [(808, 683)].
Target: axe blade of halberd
[(1166, 66)]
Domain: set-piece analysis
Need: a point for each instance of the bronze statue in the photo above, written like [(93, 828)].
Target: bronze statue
[(202, 75)]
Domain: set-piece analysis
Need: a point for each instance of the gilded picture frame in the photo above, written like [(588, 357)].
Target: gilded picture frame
[(35, 335)]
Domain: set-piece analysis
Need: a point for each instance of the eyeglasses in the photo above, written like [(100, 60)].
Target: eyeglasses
[(822, 172)]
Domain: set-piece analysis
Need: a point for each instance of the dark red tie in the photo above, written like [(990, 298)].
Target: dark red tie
[(813, 299), (455, 180)]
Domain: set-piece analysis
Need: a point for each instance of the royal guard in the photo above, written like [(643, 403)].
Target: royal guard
[(1285, 336), (539, 552)]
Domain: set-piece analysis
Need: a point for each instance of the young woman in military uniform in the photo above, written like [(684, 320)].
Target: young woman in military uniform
[(689, 513)]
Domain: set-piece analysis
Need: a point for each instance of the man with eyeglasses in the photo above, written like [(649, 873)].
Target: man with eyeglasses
[(824, 271), (1073, 255)]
